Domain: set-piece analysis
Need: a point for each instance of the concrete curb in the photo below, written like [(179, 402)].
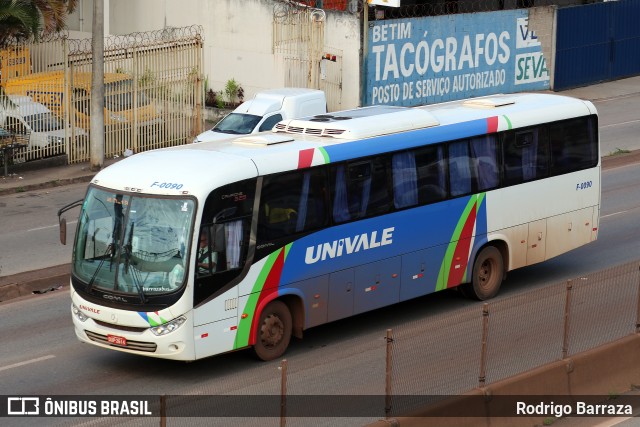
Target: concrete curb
[(46, 184), (610, 369), (39, 281)]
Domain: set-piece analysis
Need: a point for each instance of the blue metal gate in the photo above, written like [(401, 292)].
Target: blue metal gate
[(597, 42)]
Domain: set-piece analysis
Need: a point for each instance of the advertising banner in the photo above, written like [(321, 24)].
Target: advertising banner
[(417, 61)]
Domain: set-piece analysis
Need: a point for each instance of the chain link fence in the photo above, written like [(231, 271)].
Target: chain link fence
[(393, 372)]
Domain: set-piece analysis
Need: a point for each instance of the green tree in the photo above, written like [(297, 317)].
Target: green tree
[(28, 19)]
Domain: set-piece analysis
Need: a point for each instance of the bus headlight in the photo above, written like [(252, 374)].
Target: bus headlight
[(77, 313), (168, 327)]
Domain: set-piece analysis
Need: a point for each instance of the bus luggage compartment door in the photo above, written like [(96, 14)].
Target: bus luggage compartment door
[(536, 242), (377, 284), (340, 294)]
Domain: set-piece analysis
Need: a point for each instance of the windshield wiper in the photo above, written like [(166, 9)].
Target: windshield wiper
[(95, 273)]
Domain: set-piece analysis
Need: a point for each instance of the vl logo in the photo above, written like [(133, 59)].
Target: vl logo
[(23, 406), (525, 37)]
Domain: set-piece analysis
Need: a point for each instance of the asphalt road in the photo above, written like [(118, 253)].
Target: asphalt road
[(437, 335)]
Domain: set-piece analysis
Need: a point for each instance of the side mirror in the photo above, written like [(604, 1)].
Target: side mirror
[(63, 231), (63, 221)]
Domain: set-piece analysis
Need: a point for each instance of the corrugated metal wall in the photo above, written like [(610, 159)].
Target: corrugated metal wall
[(597, 42)]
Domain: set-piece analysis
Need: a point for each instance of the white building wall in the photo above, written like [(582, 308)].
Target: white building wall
[(342, 32), (237, 38)]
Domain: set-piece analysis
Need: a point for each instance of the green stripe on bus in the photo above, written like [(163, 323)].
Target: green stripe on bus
[(443, 276), (324, 154), (509, 125), (244, 326)]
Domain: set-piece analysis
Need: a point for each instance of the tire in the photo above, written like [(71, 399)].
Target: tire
[(488, 272), (273, 331)]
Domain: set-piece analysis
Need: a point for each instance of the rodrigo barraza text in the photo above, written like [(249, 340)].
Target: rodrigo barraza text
[(577, 408)]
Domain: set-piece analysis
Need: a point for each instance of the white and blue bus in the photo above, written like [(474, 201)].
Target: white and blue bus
[(197, 250)]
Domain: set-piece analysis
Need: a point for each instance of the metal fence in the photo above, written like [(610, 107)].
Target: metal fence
[(394, 371), (417, 8), (301, 54), (153, 93)]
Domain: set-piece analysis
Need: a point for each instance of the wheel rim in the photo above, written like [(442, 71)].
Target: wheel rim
[(486, 274), (272, 331)]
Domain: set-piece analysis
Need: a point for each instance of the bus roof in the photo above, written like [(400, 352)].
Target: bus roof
[(313, 141)]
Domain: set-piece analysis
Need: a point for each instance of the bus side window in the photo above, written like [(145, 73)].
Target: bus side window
[(405, 179), (459, 168), (573, 145), (359, 190), (293, 202), (485, 155), (432, 174), (525, 155)]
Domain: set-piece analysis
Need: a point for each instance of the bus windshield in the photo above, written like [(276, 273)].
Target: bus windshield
[(132, 244)]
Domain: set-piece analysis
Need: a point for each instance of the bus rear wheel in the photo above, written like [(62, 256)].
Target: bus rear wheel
[(488, 272), (273, 331)]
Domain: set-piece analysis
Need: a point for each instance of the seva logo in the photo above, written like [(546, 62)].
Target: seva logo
[(349, 245)]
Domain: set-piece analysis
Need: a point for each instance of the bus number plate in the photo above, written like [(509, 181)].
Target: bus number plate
[(114, 339)]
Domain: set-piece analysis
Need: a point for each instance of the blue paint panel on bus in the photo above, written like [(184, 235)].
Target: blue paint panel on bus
[(420, 272), (426, 60), (340, 303), (377, 285), (340, 152), (376, 239), (315, 293)]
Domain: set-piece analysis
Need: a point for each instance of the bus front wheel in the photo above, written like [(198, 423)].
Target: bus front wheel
[(488, 272), (273, 331)]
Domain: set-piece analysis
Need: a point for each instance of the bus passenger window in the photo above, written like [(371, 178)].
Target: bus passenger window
[(525, 156), (359, 190), (292, 203), (432, 176), (459, 168), (485, 153), (574, 145), (405, 180)]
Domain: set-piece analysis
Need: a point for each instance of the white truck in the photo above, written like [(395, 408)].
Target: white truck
[(35, 124), (265, 110)]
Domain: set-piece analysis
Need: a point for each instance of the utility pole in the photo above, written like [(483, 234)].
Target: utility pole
[(97, 86)]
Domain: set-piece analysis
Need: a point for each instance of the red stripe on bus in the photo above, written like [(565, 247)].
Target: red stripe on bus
[(270, 287), (462, 250), (492, 124), (305, 157)]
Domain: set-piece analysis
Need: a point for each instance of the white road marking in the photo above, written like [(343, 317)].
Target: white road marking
[(27, 362), (49, 226), (619, 124), (616, 213)]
